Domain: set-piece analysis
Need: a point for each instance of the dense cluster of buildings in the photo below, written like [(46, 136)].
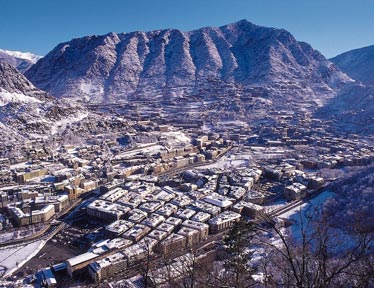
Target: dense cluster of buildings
[(160, 192)]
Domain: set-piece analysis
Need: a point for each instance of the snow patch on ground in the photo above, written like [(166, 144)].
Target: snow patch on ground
[(89, 89), (228, 161), (299, 215), (177, 137), (276, 205), (151, 149), (7, 97), (61, 124), (304, 208), (234, 122), (11, 259)]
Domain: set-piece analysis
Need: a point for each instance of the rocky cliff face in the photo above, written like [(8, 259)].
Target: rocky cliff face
[(13, 82), (358, 63), (171, 63)]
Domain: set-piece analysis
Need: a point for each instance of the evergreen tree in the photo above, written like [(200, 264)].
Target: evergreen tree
[(238, 272)]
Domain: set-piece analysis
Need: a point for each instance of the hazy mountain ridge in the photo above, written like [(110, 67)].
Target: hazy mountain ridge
[(170, 62), (352, 110), (20, 60), (358, 64)]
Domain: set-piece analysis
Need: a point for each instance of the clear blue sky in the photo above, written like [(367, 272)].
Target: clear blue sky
[(331, 26)]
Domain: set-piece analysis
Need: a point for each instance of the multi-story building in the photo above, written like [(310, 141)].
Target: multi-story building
[(114, 195), (153, 220), (176, 222), (158, 234), (107, 267), (106, 210), (167, 227), (295, 191), (201, 217), (33, 216), (167, 210), (201, 227), (117, 228), (139, 251), (218, 200), (78, 264), (174, 242), (185, 213), (192, 236), (202, 206), (150, 206), (137, 215), (137, 232), (223, 221)]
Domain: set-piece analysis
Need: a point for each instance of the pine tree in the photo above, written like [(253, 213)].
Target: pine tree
[(238, 272)]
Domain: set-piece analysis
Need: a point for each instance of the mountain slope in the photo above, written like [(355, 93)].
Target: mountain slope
[(13, 82), (351, 110), (21, 60), (171, 63), (358, 63), (27, 111)]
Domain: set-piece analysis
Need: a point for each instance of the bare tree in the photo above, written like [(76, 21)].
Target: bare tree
[(322, 256), (147, 264)]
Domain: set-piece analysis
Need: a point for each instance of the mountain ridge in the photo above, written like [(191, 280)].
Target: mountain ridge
[(172, 63)]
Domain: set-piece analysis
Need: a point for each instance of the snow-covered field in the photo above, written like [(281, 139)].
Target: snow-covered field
[(229, 161), (20, 233), (234, 122), (151, 149), (278, 204), (305, 208), (177, 137), (7, 236), (11, 259)]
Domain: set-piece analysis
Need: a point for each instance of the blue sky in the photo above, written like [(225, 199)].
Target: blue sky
[(331, 26)]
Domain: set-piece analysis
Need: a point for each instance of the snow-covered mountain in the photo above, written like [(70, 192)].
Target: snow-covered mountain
[(15, 87), (358, 63), (26, 111), (353, 107), (21, 60), (172, 63)]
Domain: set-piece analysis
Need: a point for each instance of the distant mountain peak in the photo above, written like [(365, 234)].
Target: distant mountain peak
[(21, 60), (22, 55)]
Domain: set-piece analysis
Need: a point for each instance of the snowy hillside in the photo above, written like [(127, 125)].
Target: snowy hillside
[(26, 110), (352, 110), (12, 81), (172, 63), (358, 63), (7, 97)]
